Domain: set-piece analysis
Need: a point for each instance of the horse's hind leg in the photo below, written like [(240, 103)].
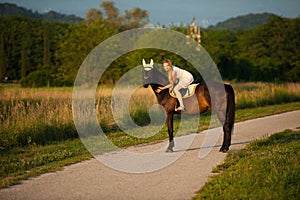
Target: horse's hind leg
[(229, 121), (227, 128)]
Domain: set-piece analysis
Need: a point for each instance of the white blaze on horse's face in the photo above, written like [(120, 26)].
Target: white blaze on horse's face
[(148, 67)]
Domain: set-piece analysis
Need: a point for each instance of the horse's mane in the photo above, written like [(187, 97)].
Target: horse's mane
[(159, 78)]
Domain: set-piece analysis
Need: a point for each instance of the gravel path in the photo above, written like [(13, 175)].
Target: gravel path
[(179, 180)]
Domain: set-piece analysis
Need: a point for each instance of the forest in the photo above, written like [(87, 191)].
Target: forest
[(38, 53)]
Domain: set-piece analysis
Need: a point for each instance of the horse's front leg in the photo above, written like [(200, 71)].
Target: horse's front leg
[(169, 122)]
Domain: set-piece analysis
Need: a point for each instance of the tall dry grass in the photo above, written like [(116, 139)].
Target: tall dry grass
[(35, 116), (42, 115), (249, 95)]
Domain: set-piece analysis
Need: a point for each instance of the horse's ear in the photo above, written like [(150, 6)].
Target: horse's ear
[(144, 62), (151, 62)]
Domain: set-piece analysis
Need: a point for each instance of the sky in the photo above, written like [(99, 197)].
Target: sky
[(166, 12)]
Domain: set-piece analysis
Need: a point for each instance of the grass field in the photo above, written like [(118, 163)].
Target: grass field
[(44, 115), (37, 132), (265, 169), (20, 163), (250, 95)]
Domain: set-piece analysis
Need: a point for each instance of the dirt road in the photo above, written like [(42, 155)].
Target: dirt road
[(180, 180)]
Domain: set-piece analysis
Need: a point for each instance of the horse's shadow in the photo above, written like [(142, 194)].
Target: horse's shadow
[(209, 147)]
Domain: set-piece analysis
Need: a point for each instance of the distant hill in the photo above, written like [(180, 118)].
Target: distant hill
[(243, 22), (13, 9)]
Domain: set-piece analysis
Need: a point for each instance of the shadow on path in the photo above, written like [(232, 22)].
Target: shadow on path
[(208, 147)]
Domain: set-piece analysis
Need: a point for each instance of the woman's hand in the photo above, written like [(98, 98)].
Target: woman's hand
[(159, 89)]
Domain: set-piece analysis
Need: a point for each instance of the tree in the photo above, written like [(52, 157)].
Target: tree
[(112, 13), (272, 49), (93, 14), (135, 18), (46, 47), (71, 53), (222, 46), (3, 58), (25, 55)]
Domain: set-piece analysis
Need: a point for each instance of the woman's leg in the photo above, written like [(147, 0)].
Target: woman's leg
[(178, 94), (184, 82)]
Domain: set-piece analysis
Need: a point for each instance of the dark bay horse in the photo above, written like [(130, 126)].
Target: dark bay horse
[(223, 105)]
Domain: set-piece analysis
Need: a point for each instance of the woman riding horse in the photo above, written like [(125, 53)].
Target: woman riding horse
[(206, 97), (178, 78)]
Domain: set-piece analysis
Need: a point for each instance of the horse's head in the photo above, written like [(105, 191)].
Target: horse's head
[(148, 72), (151, 76)]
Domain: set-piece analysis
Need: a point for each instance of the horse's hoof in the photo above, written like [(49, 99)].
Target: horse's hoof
[(169, 150), (223, 149)]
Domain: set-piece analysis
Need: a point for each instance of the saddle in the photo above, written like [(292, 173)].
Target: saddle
[(186, 92)]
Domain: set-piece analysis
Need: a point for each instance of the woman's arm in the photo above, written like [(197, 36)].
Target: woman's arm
[(172, 78)]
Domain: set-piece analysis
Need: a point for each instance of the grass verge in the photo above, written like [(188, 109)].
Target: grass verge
[(20, 163), (265, 169)]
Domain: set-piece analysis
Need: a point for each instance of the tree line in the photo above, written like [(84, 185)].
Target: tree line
[(39, 53), (268, 52)]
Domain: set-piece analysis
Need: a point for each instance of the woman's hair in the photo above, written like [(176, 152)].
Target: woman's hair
[(167, 61)]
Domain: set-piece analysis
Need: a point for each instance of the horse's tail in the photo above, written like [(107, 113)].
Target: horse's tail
[(230, 111)]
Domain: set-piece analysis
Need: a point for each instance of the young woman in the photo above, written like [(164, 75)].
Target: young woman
[(178, 78)]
